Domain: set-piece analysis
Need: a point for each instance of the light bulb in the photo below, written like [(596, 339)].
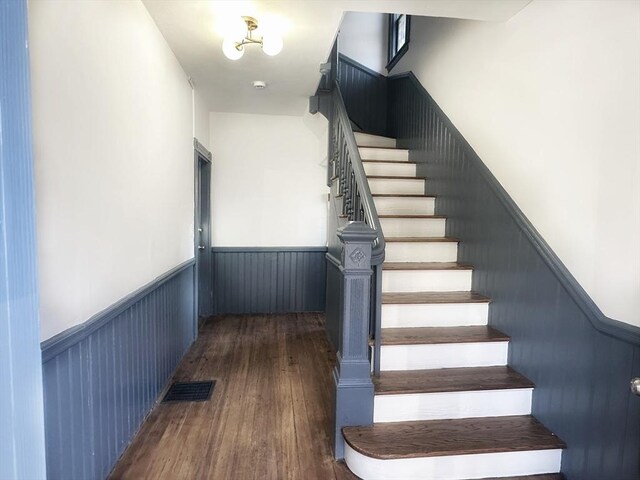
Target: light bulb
[(271, 44), (230, 51), (234, 28)]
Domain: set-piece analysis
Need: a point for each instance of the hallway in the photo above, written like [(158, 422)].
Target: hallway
[(269, 416)]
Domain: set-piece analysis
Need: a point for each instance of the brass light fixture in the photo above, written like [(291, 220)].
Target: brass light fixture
[(234, 44)]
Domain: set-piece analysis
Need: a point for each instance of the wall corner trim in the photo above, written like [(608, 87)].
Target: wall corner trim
[(64, 340), (608, 326)]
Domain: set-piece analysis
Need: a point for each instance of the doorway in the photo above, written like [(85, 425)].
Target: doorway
[(202, 233)]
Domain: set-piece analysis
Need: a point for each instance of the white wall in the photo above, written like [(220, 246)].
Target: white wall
[(268, 179), (363, 38), (550, 100), (113, 124), (201, 119)]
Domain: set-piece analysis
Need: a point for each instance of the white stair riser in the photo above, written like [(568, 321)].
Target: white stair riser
[(392, 155), (397, 169), (406, 206), (421, 251), (396, 315), (451, 405), (368, 140), (400, 186), (454, 467), (445, 355), (426, 280), (413, 227)]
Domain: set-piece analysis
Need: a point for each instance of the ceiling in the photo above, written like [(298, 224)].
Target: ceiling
[(194, 31)]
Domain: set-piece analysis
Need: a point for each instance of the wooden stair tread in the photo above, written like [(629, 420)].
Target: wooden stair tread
[(396, 177), (438, 335), (435, 438), (386, 148), (403, 195), (544, 476), (449, 380), (413, 215), (394, 162), (425, 266), (433, 297), (420, 239)]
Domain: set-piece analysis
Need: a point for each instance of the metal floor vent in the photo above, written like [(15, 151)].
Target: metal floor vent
[(189, 392)]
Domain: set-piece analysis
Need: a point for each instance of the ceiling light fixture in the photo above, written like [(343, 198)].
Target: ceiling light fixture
[(243, 34)]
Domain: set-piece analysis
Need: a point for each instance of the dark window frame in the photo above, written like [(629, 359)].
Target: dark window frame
[(394, 54)]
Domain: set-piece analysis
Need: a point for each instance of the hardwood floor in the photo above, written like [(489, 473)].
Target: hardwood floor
[(269, 416)]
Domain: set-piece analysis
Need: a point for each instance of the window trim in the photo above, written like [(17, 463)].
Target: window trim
[(394, 58)]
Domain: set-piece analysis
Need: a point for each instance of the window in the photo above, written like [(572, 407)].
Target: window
[(399, 26)]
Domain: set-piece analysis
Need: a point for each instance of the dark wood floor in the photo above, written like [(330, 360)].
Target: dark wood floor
[(268, 418)]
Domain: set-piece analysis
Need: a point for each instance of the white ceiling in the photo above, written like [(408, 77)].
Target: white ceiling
[(193, 31)]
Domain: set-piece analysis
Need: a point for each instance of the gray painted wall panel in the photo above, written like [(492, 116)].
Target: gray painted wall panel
[(268, 280), (580, 362), (365, 95), (100, 387)]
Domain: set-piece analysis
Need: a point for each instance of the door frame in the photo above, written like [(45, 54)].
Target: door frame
[(200, 153), (22, 436)]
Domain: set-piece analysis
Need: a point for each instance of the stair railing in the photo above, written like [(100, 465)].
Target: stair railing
[(346, 168), (354, 272)]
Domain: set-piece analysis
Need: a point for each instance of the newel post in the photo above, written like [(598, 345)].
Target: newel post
[(352, 374)]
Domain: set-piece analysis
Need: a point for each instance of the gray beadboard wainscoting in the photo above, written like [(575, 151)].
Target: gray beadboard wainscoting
[(580, 360), (365, 95), (101, 378), (268, 279)]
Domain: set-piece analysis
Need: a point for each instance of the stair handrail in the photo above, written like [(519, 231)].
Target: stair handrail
[(345, 165)]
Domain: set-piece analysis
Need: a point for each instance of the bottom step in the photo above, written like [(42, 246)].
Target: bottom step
[(453, 449), (550, 476)]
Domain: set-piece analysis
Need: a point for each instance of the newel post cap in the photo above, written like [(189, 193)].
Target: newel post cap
[(356, 232), (357, 238)]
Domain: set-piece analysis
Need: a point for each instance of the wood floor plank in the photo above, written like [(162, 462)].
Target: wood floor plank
[(435, 335), (451, 437), (449, 380), (269, 416)]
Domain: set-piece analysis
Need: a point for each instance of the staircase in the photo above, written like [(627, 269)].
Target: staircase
[(446, 406)]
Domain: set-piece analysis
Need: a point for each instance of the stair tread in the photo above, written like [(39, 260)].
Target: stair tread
[(433, 297), (435, 438), (449, 380), (385, 148), (412, 215), (394, 162), (420, 239), (544, 476), (439, 335), (403, 195), (425, 266), (395, 177)]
